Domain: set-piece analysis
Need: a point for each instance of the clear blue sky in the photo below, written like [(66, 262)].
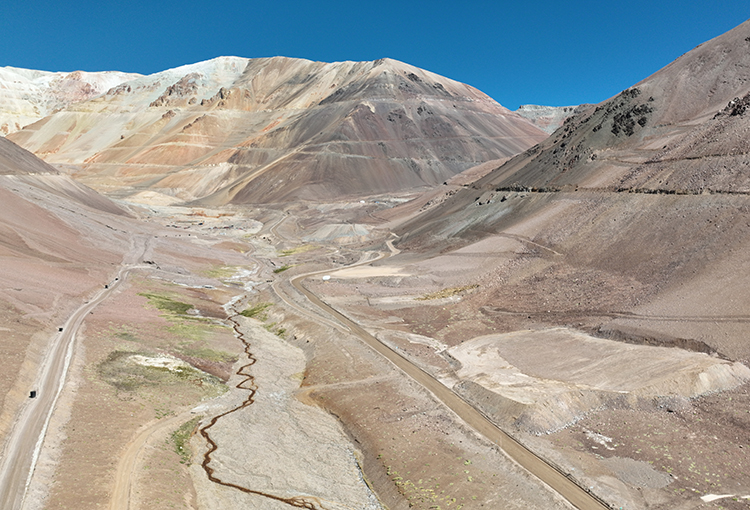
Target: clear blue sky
[(542, 52)]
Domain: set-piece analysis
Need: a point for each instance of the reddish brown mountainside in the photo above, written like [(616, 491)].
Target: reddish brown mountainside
[(264, 130), (55, 248)]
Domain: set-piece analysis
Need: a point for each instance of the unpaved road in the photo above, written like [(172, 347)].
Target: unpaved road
[(314, 315), (27, 436), (127, 467), (555, 478)]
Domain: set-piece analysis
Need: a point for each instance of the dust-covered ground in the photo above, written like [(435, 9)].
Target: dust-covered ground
[(335, 423), (560, 351)]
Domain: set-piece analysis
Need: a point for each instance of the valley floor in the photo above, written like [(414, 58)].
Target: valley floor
[(310, 416)]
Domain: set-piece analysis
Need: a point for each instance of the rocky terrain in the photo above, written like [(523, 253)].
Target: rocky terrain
[(234, 130), (27, 96), (633, 187), (297, 313), (627, 224), (548, 118)]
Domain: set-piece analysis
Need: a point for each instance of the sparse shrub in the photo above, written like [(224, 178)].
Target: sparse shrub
[(207, 354), (166, 303), (299, 249), (257, 311), (447, 292), (123, 373), (181, 440)]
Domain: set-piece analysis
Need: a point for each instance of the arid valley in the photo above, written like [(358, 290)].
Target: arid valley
[(275, 283)]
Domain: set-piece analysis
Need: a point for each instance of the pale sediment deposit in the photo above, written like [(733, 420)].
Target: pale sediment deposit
[(277, 445), (544, 380), (342, 233)]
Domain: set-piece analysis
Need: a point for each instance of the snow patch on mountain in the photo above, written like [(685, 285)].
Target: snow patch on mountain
[(548, 118), (27, 95)]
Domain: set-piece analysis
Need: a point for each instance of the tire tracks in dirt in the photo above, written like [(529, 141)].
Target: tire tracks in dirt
[(26, 439), (133, 456)]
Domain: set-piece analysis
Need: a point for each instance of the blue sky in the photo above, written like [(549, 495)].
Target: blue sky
[(543, 52)]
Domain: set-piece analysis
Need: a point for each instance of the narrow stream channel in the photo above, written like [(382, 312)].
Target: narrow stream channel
[(248, 384)]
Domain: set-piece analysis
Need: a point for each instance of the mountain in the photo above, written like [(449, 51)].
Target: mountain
[(234, 130), (631, 221), (59, 240), (548, 118), (679, 130), (27, 96), (53, 234)]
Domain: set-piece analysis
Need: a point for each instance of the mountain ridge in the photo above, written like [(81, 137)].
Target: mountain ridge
[(633, 140), (29, 95), (644, 194), (234, 130)]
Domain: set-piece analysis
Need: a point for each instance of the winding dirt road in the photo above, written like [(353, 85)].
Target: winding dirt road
[(133, 457), (549, 474)]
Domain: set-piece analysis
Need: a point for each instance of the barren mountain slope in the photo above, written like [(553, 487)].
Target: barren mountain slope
[(548, 118), (58, 241), (505, 286), (234, 130), (680, 130), (634, 214), (26, 95)]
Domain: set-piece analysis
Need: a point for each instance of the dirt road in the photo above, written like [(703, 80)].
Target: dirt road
[(556, 479), (127, 467), (27, 435)]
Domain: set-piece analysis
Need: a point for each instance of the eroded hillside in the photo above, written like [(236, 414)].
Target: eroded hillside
[(243, 131)]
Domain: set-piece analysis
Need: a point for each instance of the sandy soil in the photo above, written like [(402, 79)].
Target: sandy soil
[(416, 453), (668, 454), (278, 446), (92, 438), (389, 437), (592, 303), (448, 336)]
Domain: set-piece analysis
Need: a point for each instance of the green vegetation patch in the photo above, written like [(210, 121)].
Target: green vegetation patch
[(220, 272), (166, 304), (447, 292), (282, 268), (257, 311), (181, 440), (273, 329), (298, 249), (208, 354), (191, 330), (122, 370), (125, 333)]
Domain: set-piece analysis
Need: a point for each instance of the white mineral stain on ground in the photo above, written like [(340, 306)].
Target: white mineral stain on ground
[(713, 497), (599, 438), (369, 272), (168, 362)]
